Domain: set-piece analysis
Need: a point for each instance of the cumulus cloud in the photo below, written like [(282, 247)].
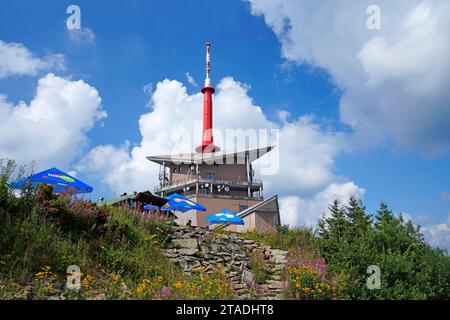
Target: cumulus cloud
[(16, 59), (395, 80), (296, 210), (305, 180), (438, 235), (51, 129), (306, 157)]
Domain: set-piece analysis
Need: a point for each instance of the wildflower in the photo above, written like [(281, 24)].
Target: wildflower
[(178, 285), (142, 287), (45, 273), (87, 282), (165, 292), (115, 278)]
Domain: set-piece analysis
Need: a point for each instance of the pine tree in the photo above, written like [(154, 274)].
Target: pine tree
[(383, 216), (359, 221), (333, 229), (411, 269), (337, 222)]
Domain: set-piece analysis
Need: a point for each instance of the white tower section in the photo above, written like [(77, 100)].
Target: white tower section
[(208, 65)]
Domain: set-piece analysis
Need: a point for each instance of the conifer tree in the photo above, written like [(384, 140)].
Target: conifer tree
[(359, 221), (333, 230), (384, 215)]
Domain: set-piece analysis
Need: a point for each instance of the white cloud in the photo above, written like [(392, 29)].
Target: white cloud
[(72, 173), (51, 129), (191, 79), (82, 36), (395, 80), (422, 219), (306, 150), (406, 217), (438, 235), (16, 59), (296, 210), (306, 157), (283, 115)]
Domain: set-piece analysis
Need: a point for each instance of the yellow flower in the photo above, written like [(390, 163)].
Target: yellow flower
[(115, 278), (142, 287), (87, 282), (46, 273), (178, 285)]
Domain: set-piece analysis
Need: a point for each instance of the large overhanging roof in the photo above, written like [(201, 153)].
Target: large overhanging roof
[(221, 157)]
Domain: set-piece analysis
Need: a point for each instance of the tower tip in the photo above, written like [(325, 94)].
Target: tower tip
[(208, 64)]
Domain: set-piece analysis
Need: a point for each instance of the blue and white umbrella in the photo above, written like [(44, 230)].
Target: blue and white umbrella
[(150, 207), (224, 216), (180, 203), (61, 181)]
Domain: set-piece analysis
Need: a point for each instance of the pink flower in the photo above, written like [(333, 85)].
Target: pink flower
[(165, 292)]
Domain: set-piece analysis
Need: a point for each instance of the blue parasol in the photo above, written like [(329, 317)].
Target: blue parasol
[(224, 216), (180, 203), (61, 181), (150, 207)]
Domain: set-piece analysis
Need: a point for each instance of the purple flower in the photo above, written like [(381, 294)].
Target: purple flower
[(165, 292)]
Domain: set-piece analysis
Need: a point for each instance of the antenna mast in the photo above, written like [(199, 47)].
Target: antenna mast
[(207, 145)]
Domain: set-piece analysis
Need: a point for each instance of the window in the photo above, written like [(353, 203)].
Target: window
[(242, 208), (210, 176)]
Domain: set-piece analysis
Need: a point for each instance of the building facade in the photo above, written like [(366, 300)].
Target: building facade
[(218, 181)]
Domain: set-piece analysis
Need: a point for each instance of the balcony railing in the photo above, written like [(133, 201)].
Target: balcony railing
[(224, 196), (194, 180)]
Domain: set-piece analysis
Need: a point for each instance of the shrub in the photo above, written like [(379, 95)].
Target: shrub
[(70, 213)]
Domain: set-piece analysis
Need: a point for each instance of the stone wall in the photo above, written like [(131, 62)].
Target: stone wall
[(198, 250)]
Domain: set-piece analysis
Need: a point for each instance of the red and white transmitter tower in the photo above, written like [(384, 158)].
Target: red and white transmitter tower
[(207, 145)]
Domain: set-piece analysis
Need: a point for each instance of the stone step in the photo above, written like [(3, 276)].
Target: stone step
[(196, 249)]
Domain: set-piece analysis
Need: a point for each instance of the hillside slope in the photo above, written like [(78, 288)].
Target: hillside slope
[(123, 255)]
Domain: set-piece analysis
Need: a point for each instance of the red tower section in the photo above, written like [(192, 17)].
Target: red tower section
[(207, 145)]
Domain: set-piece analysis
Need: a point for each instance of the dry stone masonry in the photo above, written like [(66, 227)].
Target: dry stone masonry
[(198, 250)]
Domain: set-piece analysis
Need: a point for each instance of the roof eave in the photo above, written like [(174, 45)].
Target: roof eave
[(195, 158)]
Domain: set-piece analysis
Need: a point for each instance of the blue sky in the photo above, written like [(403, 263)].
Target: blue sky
[(144, 42)]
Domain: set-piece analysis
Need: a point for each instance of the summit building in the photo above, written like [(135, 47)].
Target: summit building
[(217, 179)]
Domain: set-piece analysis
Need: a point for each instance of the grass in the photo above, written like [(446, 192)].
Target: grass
[(119, 253), (125, 262), (32, 242), (282, 238)]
